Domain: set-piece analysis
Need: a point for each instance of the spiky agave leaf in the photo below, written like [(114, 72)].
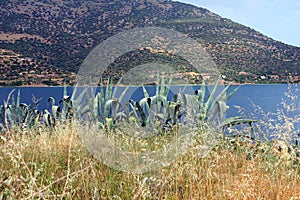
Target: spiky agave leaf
[(48, 119), (55, 109), (146, 94), (144, 118), (2, 113), (111, 108), (133, 115), (209, 102), (145, 104)]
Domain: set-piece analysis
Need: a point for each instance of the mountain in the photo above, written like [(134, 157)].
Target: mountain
[(45, 30)]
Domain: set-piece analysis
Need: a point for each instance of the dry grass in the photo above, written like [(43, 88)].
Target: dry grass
[(54, 164)]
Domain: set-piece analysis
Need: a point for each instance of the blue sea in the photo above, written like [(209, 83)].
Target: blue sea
[(250, 101)]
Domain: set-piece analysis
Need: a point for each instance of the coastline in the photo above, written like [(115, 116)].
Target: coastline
[(233, 84)]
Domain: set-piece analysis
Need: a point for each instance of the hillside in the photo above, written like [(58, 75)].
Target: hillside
[(16, 70), (45, 30)]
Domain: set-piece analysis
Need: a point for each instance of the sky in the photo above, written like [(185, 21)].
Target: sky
[(278, 19)]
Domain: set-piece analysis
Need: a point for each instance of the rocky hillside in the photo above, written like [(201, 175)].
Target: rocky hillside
[(17, 70), (47, 29)]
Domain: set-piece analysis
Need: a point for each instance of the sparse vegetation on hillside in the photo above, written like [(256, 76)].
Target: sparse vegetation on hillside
[(46, 30), (16, 70)]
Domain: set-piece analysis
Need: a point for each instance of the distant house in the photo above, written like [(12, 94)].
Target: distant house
[(274, 77), (242, 73), (25, 59), (295, 79), (206, 77), (263, 77)]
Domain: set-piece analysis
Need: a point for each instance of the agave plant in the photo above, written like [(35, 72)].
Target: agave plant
[(58, 112), (201, 108), (102, 107), (17, 114), (155, 110), (106, 106), (213, 110)]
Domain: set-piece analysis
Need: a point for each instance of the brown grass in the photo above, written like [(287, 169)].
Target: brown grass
[(54, 164)]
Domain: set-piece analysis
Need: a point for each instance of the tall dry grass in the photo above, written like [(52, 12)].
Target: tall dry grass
[(54, 164)]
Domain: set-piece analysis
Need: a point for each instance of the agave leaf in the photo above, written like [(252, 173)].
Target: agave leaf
[(232, 92), (192, 102), (166, 93), (23, 105), (101, 106), (202, 97), (64, 107), (37, 117), (108, 92), (67, 98), (145, 105), (223, 94), (102, 102), (203, 92), (74, 91), (132, 105), (111, 108), (11, 114), (80, 97), (18, 98), (96, 107), (123, 94), (161, 98), (2, 112), (208, 103), (160, 103), (85, 110), (121, 116), (157, 85), (65, 93), (25, 116), (50, 99), (220, 108), (219, 104), (13, 103), (175, 98), (115, 90), (160, 116), (162, 85), (182, 99), (6, 110), (78, 101), (142, 114), (172, 111), (47, 118), (55, 111), (146, 94), (85, 102)]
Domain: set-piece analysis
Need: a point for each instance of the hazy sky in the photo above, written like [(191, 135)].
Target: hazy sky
[(278, 19)]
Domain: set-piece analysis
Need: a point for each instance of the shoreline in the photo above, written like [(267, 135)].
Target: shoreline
[(233, 84)]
